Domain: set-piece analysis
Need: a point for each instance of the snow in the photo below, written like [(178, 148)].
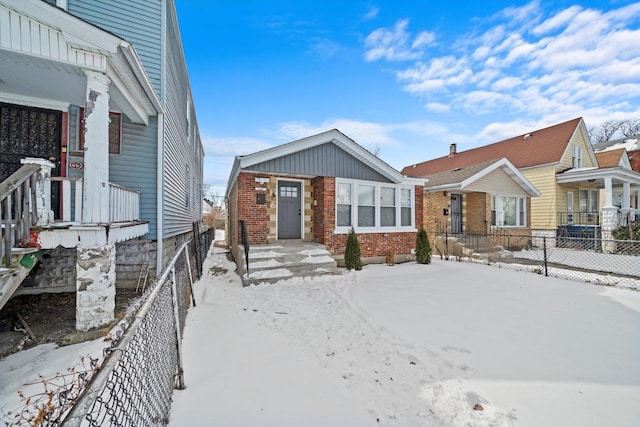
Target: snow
[(403, 345), (21, 371), (410, 344)]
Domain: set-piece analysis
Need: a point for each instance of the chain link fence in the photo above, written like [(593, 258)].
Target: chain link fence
[(142, 365), (586, 257)]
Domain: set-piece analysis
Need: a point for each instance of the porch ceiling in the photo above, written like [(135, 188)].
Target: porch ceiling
[(52, 82)]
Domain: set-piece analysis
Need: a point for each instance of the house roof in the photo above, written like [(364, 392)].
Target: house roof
[(539, 147), (610, 158), (460, 178), (331, 136)]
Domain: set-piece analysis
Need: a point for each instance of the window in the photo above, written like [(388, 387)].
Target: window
[(588, 200), (577, 156), (508, 211), (369, 205), (366, 206), (291, 192), (406, 201), (343, 205), (387, 207), (115, 132)]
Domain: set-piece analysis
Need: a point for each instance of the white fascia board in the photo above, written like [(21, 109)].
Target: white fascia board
[(235, 171), (510, 170), (135, 63), (617, 173)]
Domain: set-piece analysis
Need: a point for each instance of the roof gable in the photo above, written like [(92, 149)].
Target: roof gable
[(544, 146), (613, 158), (319, 146), (465, 177)]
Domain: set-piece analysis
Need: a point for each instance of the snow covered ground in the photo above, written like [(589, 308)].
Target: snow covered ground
[(410, 345), (403, 345)]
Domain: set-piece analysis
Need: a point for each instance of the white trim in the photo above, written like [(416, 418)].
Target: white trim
[(519, 199), (29, 101), (377, 229), (301, 181)]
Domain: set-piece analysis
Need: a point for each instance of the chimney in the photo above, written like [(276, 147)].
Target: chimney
[(452, 150)]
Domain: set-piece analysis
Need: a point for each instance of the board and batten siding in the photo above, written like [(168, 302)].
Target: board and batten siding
[(182, 203), (322, 160), (497, 182), (137, 22), (543, 208)]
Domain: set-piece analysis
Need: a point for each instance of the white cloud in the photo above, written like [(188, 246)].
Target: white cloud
[(216, 146), (532, 60), (396, 44), (437, 107), (371, 13)]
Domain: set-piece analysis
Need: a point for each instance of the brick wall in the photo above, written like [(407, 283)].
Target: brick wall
[(434, 205), (478, 213)]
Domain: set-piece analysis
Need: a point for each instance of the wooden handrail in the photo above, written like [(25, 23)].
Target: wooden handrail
[(18, 210)]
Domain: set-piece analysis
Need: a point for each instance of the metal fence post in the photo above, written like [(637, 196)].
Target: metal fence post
[(544, 252)]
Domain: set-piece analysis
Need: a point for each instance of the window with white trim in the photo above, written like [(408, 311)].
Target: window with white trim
[(387, 207), (508, 211), (343, 204), (588, 200), (577, 156), (374, 207)]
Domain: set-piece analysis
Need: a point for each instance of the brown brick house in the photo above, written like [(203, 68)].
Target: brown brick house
[(318, 188), (477, 198)]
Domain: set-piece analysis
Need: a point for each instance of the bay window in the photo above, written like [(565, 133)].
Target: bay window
[(508, 211), (372, 206)]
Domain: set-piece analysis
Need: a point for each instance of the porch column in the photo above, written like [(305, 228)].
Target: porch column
[(608, 192), (626, 201), (96, 286), (95, 206)]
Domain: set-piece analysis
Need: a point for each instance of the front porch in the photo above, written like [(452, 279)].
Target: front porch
[(29, 229)]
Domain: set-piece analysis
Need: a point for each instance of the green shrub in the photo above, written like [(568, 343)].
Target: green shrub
[(352, 252), (423, 249)]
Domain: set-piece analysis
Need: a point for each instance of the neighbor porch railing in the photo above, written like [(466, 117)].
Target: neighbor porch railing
[(578, 218), (124, 203), (18, 211)]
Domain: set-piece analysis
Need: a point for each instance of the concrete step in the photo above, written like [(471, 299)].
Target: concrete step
[(287, 259)]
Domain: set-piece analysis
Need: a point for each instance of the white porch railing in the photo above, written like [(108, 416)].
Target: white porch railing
[(124, 203)]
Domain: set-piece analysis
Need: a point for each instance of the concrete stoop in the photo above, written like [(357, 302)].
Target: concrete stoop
[(286, 259)]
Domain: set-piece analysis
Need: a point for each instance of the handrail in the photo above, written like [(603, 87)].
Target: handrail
[(18, 209)]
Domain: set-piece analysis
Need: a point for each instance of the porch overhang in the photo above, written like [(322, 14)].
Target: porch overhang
[(45, 51), (597, 176), (467, 179)]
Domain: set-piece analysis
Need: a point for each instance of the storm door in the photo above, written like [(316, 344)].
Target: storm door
[(29, 132), (289, 210), (456, 213)]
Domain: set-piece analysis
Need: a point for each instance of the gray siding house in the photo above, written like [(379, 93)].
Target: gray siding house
[(106, 81)]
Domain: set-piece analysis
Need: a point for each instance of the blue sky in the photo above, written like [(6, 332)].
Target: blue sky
[(406, 77)]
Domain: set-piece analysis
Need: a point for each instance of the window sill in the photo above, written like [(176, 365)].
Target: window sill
[(375, 230)]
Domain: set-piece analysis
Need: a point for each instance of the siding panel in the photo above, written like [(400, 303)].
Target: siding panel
[(323, 160)]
